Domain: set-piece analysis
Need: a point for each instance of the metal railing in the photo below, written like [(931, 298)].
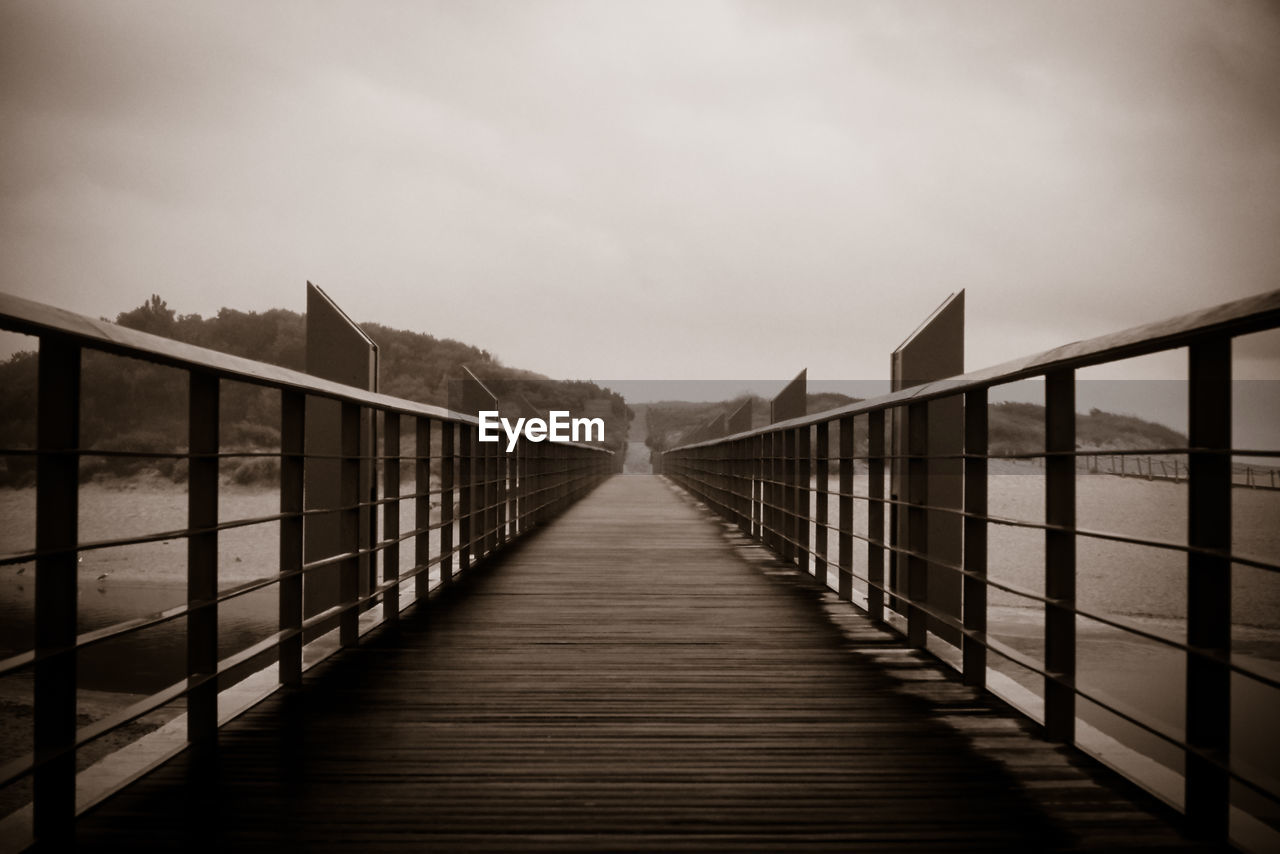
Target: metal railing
[(497, 496), (760, 480)]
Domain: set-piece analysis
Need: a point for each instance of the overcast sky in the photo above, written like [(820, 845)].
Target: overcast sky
[(627, 190)]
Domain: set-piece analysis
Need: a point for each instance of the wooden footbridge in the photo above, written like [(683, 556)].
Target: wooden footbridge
[(576, 660), (632, 678)]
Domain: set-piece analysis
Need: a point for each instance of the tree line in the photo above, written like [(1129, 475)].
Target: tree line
[(132, 405)]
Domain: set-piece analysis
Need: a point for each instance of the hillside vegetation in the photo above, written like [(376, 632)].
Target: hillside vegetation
[(127, 404), (1014, 428)]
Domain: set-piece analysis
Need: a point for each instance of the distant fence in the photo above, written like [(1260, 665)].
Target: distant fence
[(486, 498), (766, 480), (1174, 469)]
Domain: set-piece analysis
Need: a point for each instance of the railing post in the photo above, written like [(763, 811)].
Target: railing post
[(544, 482), (917, 523), (502, 491), (728, 491), (757, 487), (724, 480), (1208, 700), (447, 429), (391, 514), (802, 499), (736, 481), (845, 502), (490, 496), (766, 491), (555, 459), (550, 481), (773, 470), (778, 526), (57, 535), (780, 490), (202, 558), (875, 512), (422, 506), (1060, 556), (479, 498), (518, 475), (975, 536), (466, 447), (293, 413), (790, 498), (349, 526), (533, 492), (562, 465), (820, 528)]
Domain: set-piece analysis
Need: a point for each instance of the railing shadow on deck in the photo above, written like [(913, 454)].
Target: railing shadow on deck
[(486, 498), (772, 483)]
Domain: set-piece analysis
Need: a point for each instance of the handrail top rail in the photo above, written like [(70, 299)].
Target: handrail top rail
[(34, 318), (1251, 314)]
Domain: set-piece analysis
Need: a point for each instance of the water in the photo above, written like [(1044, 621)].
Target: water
[(128, 582)]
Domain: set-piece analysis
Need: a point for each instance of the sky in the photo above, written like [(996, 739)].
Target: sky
[(652, 190)]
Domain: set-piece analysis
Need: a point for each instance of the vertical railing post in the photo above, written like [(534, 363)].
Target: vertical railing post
[(550, 480), (563, 468), (489, 491), (775, 491), (57, 535), (790, 488), (500, 493), (543, 461), (802, 500), (1060, 556), (555, 466), (447, 429), (466, 447), (391, 514), (766, 491), (917, 523), (875, 513), (724, 466), (478, 460), (533, 491), (975, 537), (502, 490), (1208, 700), (202, 558), (349, 526), (737, 484), (845, 502), (757, 486), (422, 506), (293, 413), (820, 527), (719, 462), (778, 525), (518, 474)]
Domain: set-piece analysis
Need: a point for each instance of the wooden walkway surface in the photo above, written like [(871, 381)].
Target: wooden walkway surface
[(632, 678)]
